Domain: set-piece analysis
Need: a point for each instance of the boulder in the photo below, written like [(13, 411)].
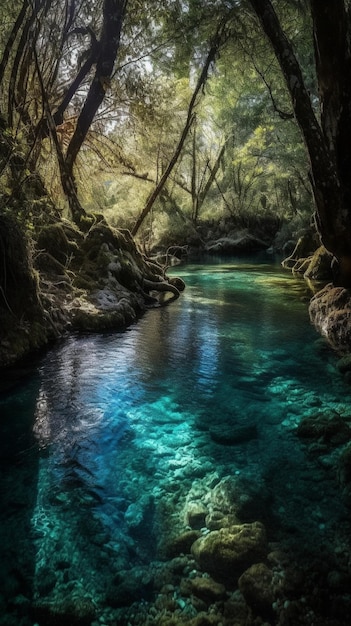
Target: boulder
[(226, 553), (239, 243), (217, 520), (246, 500), (329, 429), (330, 312), (204, 588), (320, 265), (129, 586), (195, 514), (181, 544), (256, 586)]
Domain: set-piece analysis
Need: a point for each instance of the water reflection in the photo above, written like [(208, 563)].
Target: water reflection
[(129, 426)]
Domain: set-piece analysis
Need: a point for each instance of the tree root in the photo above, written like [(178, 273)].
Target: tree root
[(161, 287)]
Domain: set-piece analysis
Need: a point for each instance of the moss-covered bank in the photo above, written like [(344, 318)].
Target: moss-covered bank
[(69, 280)]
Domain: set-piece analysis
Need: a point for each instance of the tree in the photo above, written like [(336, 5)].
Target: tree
[(216, 43), (327, 131), (48, 56)]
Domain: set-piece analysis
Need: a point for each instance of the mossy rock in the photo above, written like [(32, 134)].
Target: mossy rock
[(256, 585), (320, 265), (228, 552), (62, 241), (329, 429)]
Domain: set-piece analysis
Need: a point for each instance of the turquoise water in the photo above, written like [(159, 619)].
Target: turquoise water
[(108, 438)]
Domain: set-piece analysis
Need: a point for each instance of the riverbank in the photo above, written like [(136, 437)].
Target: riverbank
[(72, 281)]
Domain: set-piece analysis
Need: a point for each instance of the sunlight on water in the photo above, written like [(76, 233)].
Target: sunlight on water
[(125, 429)]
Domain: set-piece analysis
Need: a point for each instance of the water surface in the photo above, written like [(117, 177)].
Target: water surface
[(110, 436)]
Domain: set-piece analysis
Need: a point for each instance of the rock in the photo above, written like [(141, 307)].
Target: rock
[(240, 242), (329, 429), (182, 543), (79, 611), (344, 364), (204, 588), (232, 434), (227, 552), (320, 265), (225, 495), (256, 586), (195, 514), (330, 312), (138, 512), (217, 520), (234, 495), (128, 587)]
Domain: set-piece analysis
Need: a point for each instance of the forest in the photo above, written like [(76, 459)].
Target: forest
[(134, 132), (175, 312)]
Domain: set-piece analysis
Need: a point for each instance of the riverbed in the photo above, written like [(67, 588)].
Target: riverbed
[(111, 444)]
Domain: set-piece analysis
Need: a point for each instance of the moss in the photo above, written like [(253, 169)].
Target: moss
[(60, 240), (18, 280), (320, 265), (69, 262)]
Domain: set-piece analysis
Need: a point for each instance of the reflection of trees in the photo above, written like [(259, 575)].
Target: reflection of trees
[(172, 339)]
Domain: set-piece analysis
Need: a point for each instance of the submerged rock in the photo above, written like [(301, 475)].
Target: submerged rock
[(256, 586), (182, 543), (195, 514), (204, 588), (233, 434), (227, 552), (236, 498), (78, 611), (329, 429), (130, 586)]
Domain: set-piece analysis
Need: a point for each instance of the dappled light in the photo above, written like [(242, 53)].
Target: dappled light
[(175, 312)]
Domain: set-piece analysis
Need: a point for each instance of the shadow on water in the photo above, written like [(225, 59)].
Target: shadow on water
[(19, 460)]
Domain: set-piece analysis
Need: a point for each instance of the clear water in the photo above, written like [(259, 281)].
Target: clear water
[(108, 436)]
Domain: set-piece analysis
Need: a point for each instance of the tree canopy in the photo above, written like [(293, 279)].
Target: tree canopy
[(154, 113)]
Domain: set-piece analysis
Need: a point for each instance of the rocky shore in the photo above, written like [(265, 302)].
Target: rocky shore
[(74, 281)]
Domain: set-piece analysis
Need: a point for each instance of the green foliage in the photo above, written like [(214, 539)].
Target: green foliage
[(244, 112)]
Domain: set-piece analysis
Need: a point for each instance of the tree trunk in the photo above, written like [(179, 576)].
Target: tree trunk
[(328, 143), (217, 41), (113, 15)]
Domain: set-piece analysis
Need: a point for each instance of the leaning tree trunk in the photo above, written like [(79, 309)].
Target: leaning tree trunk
[(113, 15), (211, 56), (328, 142)]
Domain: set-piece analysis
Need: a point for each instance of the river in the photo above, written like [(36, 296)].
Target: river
[(110, 442)]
